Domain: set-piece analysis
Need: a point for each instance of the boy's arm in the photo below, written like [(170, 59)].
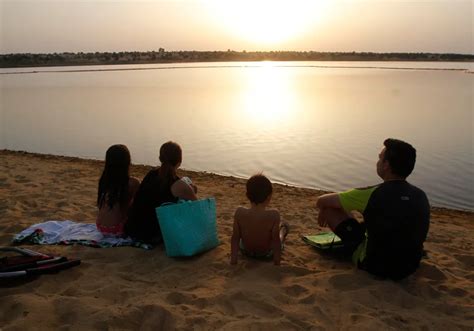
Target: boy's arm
[(276, 243), (234, 243)]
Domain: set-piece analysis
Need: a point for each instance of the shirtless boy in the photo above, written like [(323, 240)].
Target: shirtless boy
[(257, 231)]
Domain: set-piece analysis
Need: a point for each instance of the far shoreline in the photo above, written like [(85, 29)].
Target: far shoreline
[(193, 173), (28, 60)]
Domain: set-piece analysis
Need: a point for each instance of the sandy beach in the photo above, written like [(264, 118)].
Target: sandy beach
[(132, 288)]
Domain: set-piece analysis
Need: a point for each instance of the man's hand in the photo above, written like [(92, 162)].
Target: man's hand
[(321, 219)]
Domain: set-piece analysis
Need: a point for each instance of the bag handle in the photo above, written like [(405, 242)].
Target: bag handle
[(172, 203), (209, 200)]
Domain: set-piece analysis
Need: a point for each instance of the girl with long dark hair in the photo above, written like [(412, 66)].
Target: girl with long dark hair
[(116, 191), (160, 185)]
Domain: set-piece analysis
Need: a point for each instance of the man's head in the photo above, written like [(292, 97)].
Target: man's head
[(259, 189), (397, 159)]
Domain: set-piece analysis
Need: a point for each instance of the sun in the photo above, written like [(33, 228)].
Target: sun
[(267, 22)]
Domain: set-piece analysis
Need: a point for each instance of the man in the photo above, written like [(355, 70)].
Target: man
[(389, 243)]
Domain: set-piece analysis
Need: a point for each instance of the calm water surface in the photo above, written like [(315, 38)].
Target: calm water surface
[(310, 124)]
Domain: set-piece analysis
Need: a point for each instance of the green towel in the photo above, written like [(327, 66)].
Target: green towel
[(323, 240)]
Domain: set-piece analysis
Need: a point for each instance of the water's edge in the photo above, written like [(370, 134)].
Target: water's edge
[(317, 191)]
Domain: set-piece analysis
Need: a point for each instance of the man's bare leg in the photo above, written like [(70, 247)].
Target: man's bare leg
[(332, 217)]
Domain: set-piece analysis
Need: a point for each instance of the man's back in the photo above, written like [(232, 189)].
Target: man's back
[(397, 218)]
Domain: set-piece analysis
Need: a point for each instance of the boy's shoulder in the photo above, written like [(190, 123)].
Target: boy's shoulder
[(273, 213), (241, 211)]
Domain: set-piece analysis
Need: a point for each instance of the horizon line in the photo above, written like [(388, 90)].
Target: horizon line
[(162, 50)]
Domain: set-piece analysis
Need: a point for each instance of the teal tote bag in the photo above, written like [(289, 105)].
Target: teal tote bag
[(188, 227)]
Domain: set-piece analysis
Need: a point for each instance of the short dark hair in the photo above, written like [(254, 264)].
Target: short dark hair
[(170, 153), (259, 188), (400, 155)]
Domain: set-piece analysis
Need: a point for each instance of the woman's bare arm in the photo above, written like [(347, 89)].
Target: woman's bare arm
[(183, 191)]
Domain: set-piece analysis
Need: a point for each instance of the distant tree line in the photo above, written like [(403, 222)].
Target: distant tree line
[(162, 56)]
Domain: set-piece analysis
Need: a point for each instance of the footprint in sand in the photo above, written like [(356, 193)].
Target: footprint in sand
[(14, 228), (3, 206), (295, 290), (295, 271), (28, 203), (428, 291), (147, 317), (12, 311), (177, 298), (431, 272), (196, 323), (40, 213), (457, 292), (62, 203), (468, 260), (247, 302), (64, 308), (308, 300), (4, 183), (21, 179), (349, 282), (157, 318), (200, 303)]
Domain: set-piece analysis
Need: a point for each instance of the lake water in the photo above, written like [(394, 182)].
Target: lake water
[(309, 124)]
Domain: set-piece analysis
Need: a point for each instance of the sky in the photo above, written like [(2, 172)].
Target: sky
[(47, 26)]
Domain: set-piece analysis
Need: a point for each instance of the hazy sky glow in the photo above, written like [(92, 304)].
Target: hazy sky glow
[(40, 26)]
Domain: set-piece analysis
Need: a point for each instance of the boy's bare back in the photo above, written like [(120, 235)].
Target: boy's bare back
[(255, 228), (259, 232), (258, 228)]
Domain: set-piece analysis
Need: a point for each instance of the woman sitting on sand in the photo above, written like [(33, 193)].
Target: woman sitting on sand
[(159, 186), (116, 191)]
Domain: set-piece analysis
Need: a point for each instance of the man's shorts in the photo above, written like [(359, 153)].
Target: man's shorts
[(352, 233)]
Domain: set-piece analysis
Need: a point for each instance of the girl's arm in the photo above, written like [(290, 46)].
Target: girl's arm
[(133, 185)]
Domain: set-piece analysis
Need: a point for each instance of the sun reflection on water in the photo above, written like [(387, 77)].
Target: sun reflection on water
[(269, 96)]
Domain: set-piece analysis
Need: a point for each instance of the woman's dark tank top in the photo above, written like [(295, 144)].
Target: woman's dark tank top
[(142, 223)]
